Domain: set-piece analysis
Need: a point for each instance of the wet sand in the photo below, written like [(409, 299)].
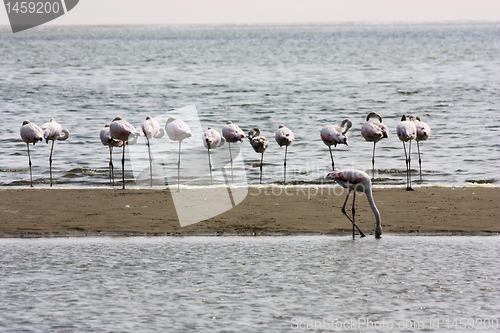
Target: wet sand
[(71, 212)]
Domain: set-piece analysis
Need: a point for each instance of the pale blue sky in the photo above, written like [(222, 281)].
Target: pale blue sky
[(175, 12)]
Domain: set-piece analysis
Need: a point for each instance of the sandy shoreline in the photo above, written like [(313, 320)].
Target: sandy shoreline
[(78, 212)]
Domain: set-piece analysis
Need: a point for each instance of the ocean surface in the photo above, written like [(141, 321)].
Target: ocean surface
[(250, 284), (304, 77)]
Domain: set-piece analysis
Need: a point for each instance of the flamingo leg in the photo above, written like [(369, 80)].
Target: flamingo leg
[(419, 159), (373, 160), (284, 165), (345, 213), (50, 161), (231, 157), (179, 169), (150, 162), (210, 167), (29, 157), (353, 213), (123, 166), (111, 167), (261, 160), (331, 155), (406, 161), (409, 167)]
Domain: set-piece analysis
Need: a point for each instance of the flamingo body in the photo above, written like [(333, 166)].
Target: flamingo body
[(212, 139), (232, 133), (357, 181), (151, 129)]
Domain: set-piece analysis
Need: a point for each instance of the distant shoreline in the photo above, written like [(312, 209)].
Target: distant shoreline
[(108, 212)]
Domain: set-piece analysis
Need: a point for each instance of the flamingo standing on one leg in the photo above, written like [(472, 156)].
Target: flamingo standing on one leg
[(232, 133), (212, 139), (423, 133), (30, 133), (259, 144), (177, 130), (407, 132), (334, 134), (357, 181), (107, 140), (121, 129), (53, 131), (151, 129), (284, 137), (374, 131)]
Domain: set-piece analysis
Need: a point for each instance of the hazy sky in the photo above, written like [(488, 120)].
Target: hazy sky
[(105, 12)]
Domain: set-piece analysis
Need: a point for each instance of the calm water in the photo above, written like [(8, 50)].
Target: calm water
[(301, 76), (250, 284)]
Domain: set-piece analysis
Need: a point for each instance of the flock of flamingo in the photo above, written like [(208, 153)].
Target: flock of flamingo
[(120, 132)]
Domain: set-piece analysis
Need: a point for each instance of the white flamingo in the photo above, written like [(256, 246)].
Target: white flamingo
[(107, 140), (232, 133), (423, 133), (53, 131), (30, 133), (259, 144), (374, 131), (177, 130), (334, 135), (151, 129), (407, 132), (284, 137), (122, 130), (357, 181), (211, 140)]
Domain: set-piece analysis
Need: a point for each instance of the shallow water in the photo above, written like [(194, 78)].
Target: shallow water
[(301, 76), (251, 284)]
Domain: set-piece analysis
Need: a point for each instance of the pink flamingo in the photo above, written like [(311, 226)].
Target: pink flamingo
[(284, 137), (53, 131), (177, 130), (151, 129), (423, 133), (232, 133), (30, 133), (259, 145), (357, 181), (334, 134), (374, 131), (122, 130), (211, 140), (107, 140), (407, 132)]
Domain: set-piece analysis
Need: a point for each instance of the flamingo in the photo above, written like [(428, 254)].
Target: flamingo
[(122, 130), (374, 131), (53, 131), (284, 137), (232, 133), (334, 134), (177, 130), (151, 129), (407, 131), (357, 181), (423, 133), (212, 139), (30, 133), (259, 144), (107, 140)]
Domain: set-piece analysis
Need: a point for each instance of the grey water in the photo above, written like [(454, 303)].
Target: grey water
[(302, 76), (249, 284)]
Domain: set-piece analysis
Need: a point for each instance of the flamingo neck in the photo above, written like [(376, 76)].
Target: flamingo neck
[(378, 228)]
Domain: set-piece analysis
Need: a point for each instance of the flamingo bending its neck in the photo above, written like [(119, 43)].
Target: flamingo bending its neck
[(177, 130), (121, 129), (259, 145), (107, 140), (151, 129), (374, 131), (334, 134), (53, 131), (30, 133), (407, 132), (284, 137)]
